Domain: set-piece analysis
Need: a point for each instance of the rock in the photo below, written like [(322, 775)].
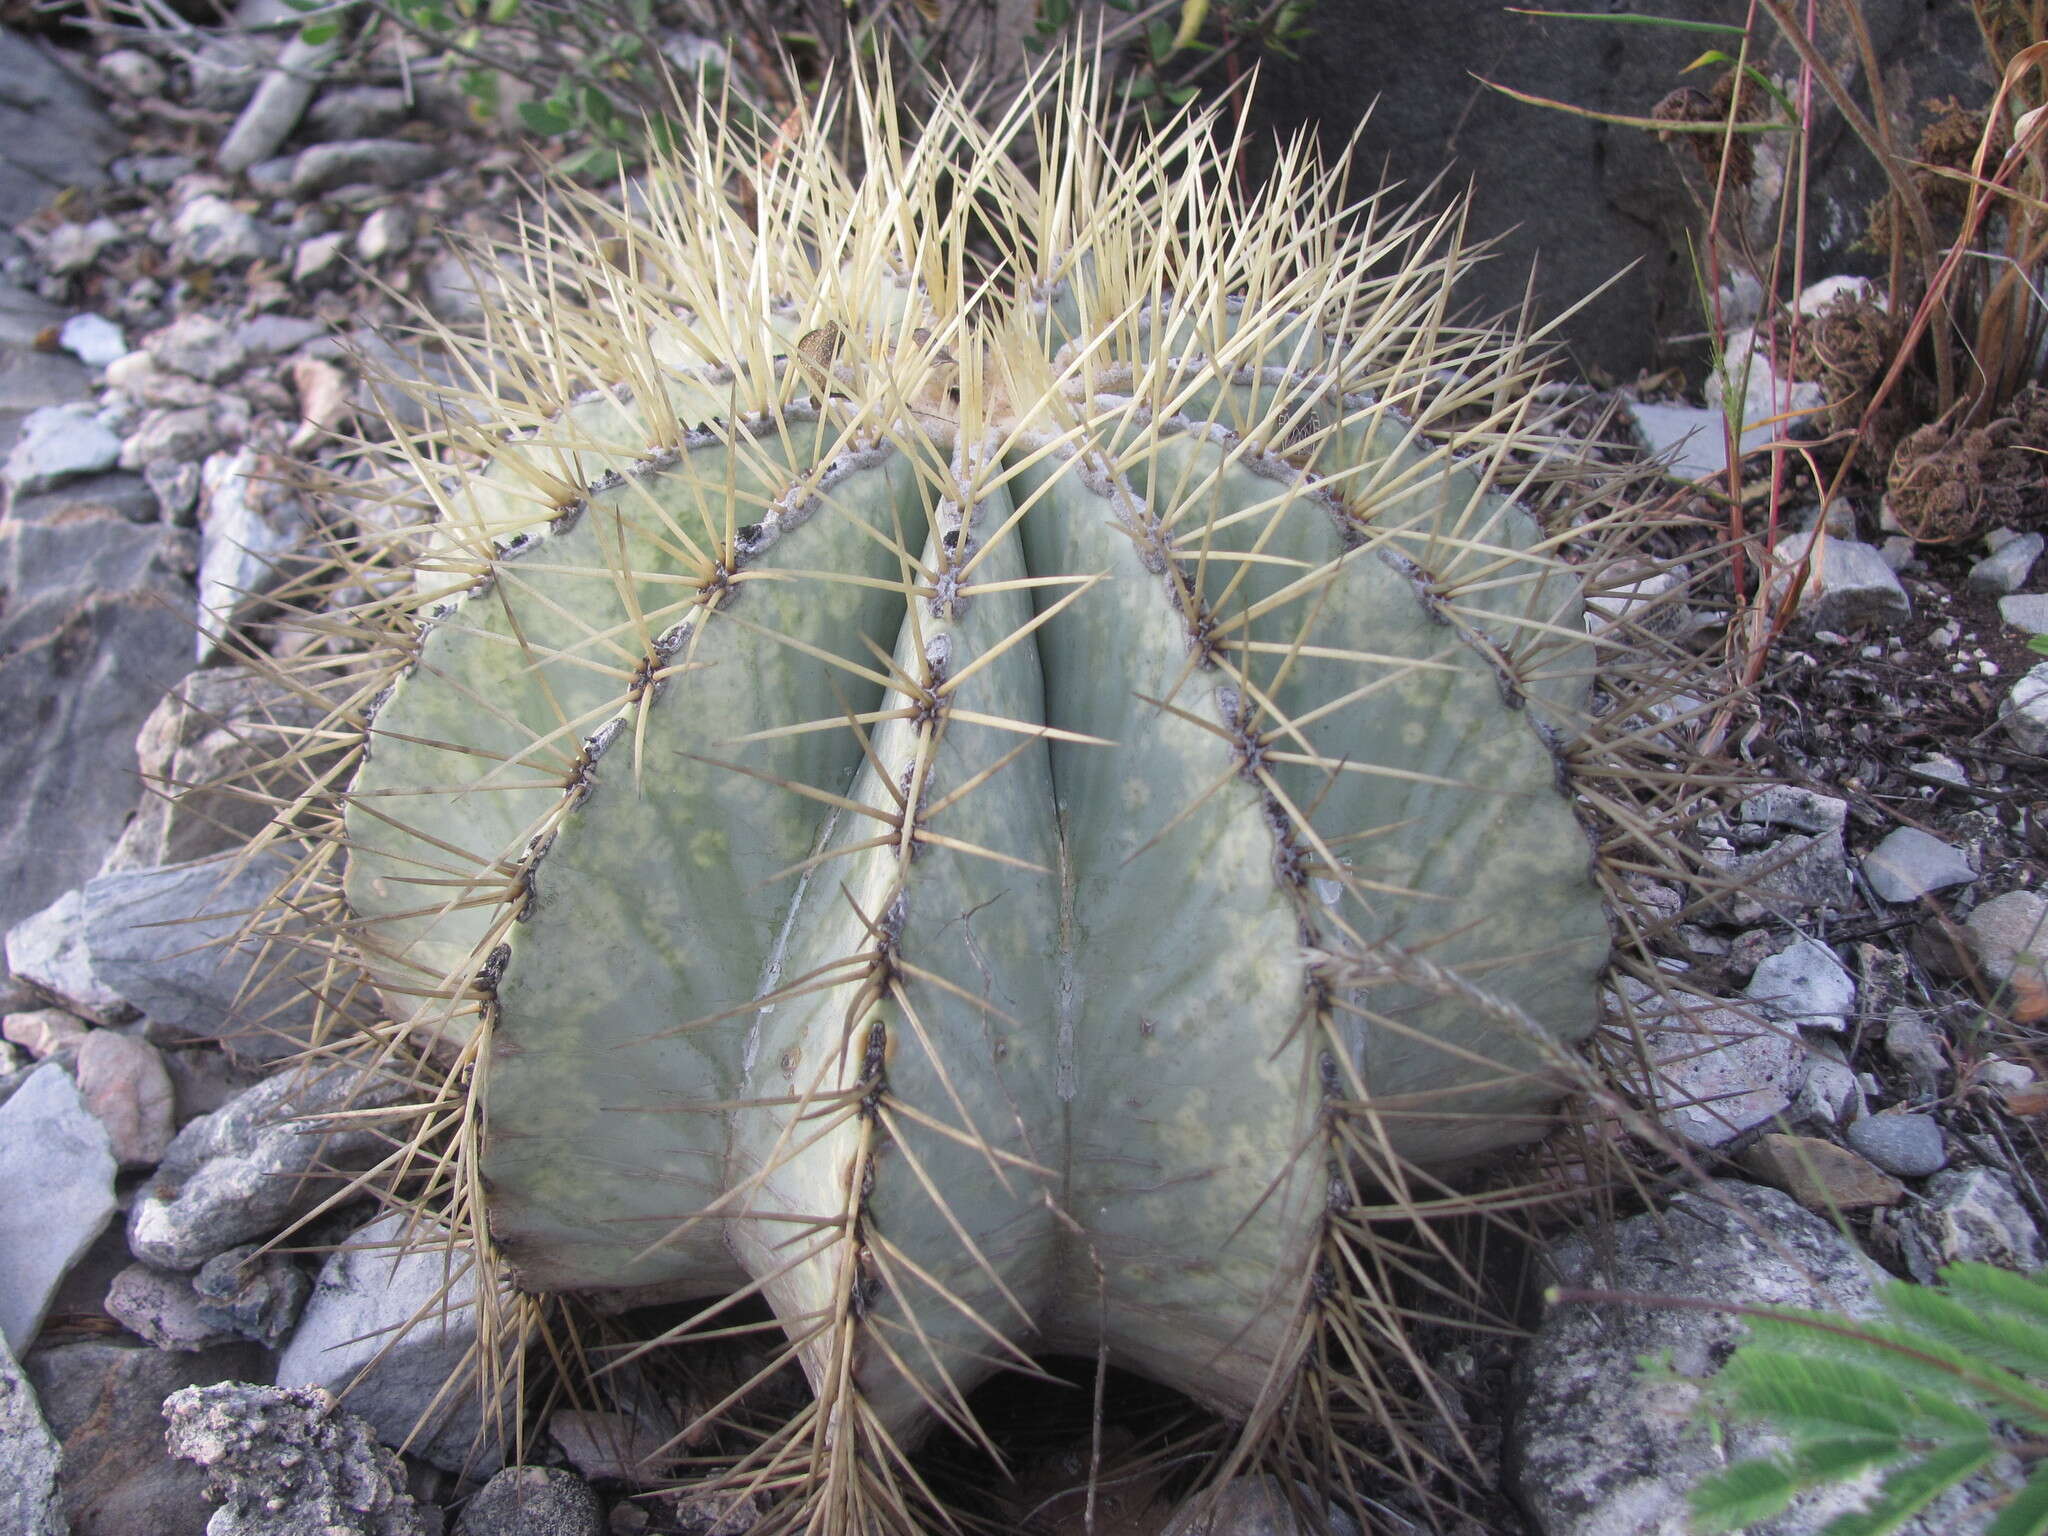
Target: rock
[(49, 951), (1820, 1175), (532, 1501), (289, 1463), (160, 939), (279, 101), (162, 1307), (72, 247), (131, 72), (93, 339), (403, 1305), (1805, 985), (275, 335), (1692, 440), (105, 1403), (241, 1173), (2024, 711), (117, 495), (1253, 1506), (390, 163), (57, 134), (1907, 1145), (257, 1295), (249, 523), (2026, 610), (1848, 585), (1774, 407), (59, 443), (178, 437), (203, 1077), (1601, 1448), (157, 171), (210, 231), (2006, 568), (91, 636), (1796, 874), (616, 1447), (1910, 864), (1717, 1072), (2008, 935), (453, 288), (123, 1082), (176, 489), (140, 378), (1917, 1050), (226, 68), (1971, 1216), (1788, 805), (44, 1032), (1830, 1093), (56, 1193), (29, 1501), (199, 750), (200, 347), (357, 112), (386, 232), (319, 262)]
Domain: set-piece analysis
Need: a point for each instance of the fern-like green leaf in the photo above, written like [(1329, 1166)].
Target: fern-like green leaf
[(1744, 1494), (2026, 1513), (1912, 1488)]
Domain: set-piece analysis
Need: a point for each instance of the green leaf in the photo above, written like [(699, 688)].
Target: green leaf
[(1159, 38), (1181, 95), (546, 118), (1670, 22), (1744, 1494), (2038, 644), (1911, 1489), (314, 33), (501, 11), (1192, 14), (2026, 1513)]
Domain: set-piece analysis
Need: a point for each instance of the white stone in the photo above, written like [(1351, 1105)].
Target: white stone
[(1716, 1072), (409, 1308), (2026, 610), (1693, 439), (2006, 568), (1848, 585), (59, 443), (209, 231), (2009, 933), (56, 1193), (1805, 985), (1772, 407), (49, 950), (1787, 805), (42, 1032), (2024, 711), (1910, 863), (247, 524), (132, 72), (386, 232), (93, 339)]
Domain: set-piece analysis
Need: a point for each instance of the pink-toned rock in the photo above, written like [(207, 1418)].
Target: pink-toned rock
[(163, 1308), (42, 1031), (123, 1082)]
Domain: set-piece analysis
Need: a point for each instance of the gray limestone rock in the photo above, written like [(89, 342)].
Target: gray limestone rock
[(2024, 711), (59, 443), (279, 101), (258, 1295), (92, 634), (390, 1322), (56, 133), (532, 1501), (48, 950), (357, 112), (1804, 985), (241, 1173), (289, 1463), (29, 1503), (1717, 1071), (1600, 1448), (113, 495), (1971, 1215), (163, 1308), (1848, 585), (105, 1403), (160, 938), (1907, 1145), (199, 347), (1255, 1506), (182, 435), (1910, 1042), (251, 523), (210, 231), (1910, 864), (2006, 568), (56, 1193), (2009, 935), (2027, 611), (380, 162)]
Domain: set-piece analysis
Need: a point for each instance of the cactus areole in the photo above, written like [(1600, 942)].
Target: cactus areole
[(990, 762)]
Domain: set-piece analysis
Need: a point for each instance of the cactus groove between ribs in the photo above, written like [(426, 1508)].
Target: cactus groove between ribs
[(887, 766)]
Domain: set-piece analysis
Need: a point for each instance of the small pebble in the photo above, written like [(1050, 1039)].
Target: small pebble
[(1907, 1145)]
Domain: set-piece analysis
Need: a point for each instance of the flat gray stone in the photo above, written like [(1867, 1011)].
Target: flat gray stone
[(199, 347), (92, 634), (2024, 711), (28, 1493), (258, 1295), (1805, 985), (1715, 1072), (59, 443), (161, 1306), (160, 939), (48, 950), (275, 109), (379, 162), (210, 231), (1848, 585), (2009, 935), (241, 1174), (1692, 441), (1906, 1145), (1789, 805), (2007, 567), (56, 1193), (93, 339), (376, 1289), (1910, 864), (2026, 610), (1971, 1216), (56, 132), (176, 435), (532, 1501), (250, 524)]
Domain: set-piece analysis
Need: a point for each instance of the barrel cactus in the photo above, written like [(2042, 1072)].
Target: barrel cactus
[(977, 750)]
